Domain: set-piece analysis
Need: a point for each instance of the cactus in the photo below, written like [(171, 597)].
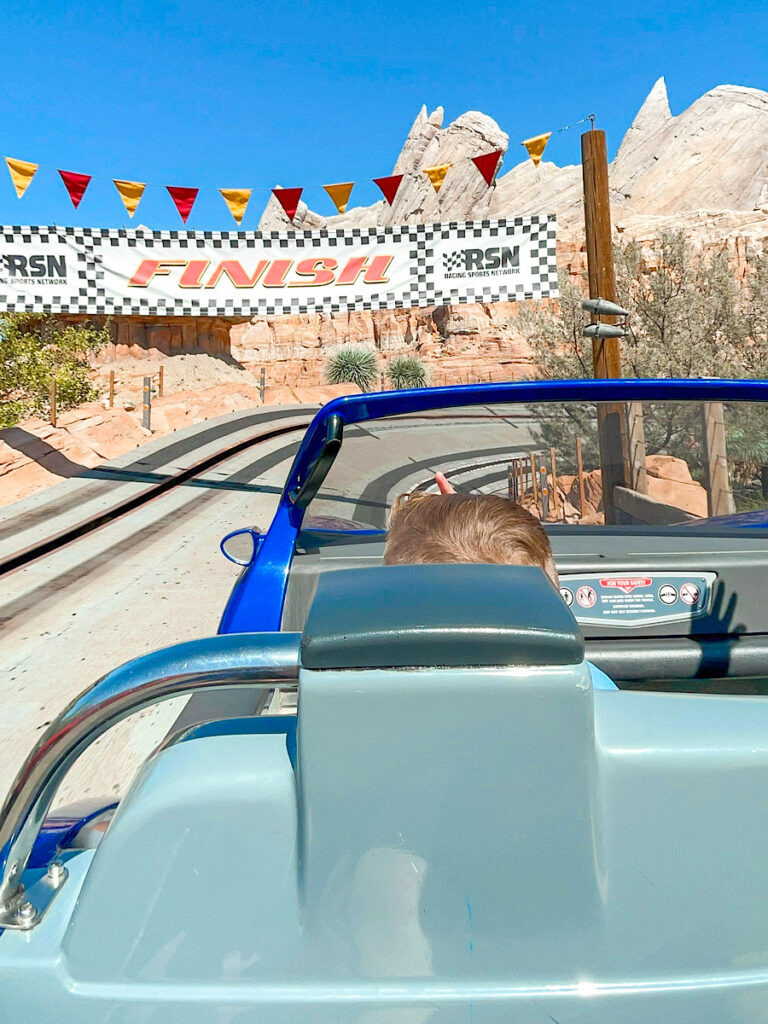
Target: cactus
[(407, 372), (352, 364)]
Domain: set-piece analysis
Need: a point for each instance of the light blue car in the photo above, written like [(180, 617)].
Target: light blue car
[(433, 805)]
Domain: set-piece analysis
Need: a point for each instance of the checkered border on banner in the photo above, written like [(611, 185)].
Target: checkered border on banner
[(91, 246)]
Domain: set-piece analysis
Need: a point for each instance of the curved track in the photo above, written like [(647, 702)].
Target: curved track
[(85, 526)]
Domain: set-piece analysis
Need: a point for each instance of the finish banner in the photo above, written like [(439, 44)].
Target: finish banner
[(244, 273)]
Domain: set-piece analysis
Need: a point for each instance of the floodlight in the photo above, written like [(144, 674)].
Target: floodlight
[(602, 307)]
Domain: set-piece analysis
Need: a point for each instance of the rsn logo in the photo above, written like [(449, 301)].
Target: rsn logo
[(495, 258), (34, 266)]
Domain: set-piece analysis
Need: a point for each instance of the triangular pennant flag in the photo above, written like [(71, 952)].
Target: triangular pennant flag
[(340, 194), (75, 184), (389, 186), (487, 164), (130, 192), (536, 147), (21, 174), (183, 199), (237, 200), (437, 175), (288, 199)]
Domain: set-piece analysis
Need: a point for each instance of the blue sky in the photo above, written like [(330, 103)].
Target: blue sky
[(240, 94)]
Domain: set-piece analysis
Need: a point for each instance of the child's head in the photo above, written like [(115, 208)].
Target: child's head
[(466, 528)]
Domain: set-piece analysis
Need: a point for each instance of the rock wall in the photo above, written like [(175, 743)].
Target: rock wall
[(458, 343), (144, 337)]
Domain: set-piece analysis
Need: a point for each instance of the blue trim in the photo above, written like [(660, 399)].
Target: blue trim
[(756, 519), (57, 833), (256, 603)]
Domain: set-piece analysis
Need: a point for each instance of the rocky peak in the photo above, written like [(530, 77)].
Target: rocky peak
[(711, 157), (651, 118)]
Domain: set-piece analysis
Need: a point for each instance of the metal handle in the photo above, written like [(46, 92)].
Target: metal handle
[(258, 660)]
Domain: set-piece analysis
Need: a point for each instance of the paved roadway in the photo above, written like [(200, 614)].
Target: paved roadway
[(156, 577), (151, 579)]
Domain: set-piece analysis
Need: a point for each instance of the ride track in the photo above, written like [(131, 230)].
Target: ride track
[(83, 528)]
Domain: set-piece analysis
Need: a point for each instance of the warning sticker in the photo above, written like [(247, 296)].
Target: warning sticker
[(632, 600), (626, 583)]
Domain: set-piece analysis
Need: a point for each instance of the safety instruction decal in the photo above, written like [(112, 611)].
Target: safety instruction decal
[(636, 598)]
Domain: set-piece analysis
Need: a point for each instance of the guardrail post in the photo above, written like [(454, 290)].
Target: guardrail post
[(534, 479), (262, 384), (719, 495), (580, 472), (160, 381), (146, 404), (554, 481), (638, 475), (111, 388), (544, 490), (52, 400)]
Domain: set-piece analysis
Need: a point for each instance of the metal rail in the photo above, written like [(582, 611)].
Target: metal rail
[(256, 660)]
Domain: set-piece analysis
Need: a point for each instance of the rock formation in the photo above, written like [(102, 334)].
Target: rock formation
[(711, 157), (705, 170)]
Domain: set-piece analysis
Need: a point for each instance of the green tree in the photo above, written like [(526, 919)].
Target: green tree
[(353, 364), (688, 318), (34, 350), (407, 372)]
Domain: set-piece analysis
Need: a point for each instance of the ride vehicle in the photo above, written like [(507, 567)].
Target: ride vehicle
[(428, 813)]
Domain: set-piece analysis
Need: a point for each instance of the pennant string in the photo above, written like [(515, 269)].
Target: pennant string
[(131, 192)]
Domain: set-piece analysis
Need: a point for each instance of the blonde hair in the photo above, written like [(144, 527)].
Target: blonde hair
[(434, 528)]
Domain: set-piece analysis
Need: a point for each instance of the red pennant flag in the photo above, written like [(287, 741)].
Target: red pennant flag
[(183, 199), (389, 186), (288, 199), (487, 164), (75, 184)]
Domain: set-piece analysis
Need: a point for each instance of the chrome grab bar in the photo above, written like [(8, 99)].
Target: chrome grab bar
[(257, 660)]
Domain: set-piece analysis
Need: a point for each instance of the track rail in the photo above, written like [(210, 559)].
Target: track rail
[(121, 508)]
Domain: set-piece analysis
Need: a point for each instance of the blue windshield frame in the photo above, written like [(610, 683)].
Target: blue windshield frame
[(256, 603)]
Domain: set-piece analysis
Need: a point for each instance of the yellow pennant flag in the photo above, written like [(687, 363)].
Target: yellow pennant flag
[(237, 200), (536, 147), (340, 194), (437, 174), (21, 174), (131, 193)]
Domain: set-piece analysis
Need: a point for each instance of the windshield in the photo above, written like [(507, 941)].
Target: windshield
[(651, 463)]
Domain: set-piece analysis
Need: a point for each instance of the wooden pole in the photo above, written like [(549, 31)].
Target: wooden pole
[(160, 376), (719, 495), (606, 357), (580, 472), (522, 481), (553, 461), (534, 481), (52, 402), (111, 388)]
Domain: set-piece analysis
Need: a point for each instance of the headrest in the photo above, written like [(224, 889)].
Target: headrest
[(404, 616)]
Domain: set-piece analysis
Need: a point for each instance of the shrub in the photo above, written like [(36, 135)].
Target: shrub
[(352, 364), (34, 350), (407, 372)]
